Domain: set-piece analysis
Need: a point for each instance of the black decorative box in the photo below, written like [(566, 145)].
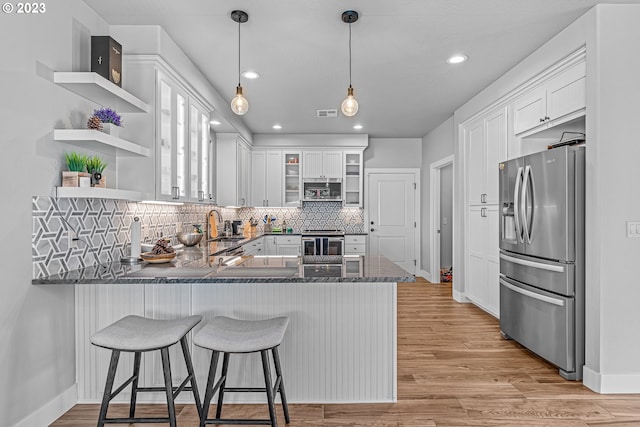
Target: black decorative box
[(106, 58)]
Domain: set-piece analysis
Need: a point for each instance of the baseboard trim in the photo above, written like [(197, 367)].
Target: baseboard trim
[(459, 296), (611, 384), (52, 410), (425, 275)]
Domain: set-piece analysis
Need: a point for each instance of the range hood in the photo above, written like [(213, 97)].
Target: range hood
[(322, 190)]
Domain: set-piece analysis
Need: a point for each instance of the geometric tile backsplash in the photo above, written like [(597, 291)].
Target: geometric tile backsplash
[(103, 226)]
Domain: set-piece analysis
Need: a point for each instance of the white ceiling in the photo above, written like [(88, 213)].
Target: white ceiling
[(300, 47)]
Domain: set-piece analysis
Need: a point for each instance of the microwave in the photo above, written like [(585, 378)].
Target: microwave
[(322, 189)]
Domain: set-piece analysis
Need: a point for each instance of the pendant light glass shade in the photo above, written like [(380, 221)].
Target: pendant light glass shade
[(239, 103), (349, 106)]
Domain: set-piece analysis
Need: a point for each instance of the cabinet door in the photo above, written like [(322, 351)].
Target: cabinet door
[(566, 93), (312, 164), (530, 110), (352, 181), (332, 164), (182, 147), (476, 269), (495, 152), (492, 259), (199, 153), (258, 174), (475, 149), (165, 183), (273, 178), (292, 178), (244, 174)]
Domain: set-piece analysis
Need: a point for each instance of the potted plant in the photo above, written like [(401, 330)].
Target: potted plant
[(95, 166), (76, 176), (105, 120)]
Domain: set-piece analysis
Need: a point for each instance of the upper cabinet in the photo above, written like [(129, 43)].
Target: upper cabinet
[(352, 181), (233, 163), (266, 178), (556, 100), (292, 178), (322, 164), (177, 131), (485, 141)]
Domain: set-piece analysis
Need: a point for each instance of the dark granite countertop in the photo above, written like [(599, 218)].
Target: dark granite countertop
[(202, 265)]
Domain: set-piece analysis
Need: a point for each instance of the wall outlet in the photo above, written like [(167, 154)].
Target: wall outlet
[(73, 239)]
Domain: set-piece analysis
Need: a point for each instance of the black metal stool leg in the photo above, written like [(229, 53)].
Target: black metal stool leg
[(225, 365), (283, 395), (134, 384), (269, 387), (108, 387), (188, 362), (208, 393), (166, 370)]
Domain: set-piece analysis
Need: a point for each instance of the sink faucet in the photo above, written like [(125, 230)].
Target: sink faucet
[(218, 217)]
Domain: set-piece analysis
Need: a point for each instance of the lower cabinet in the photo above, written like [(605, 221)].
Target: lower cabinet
[(355, 244), (482, 269), (283, 245), (254, 247)]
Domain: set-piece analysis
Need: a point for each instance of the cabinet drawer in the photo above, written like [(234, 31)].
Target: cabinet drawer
[(352, 239), (288, 240), (355, 249)]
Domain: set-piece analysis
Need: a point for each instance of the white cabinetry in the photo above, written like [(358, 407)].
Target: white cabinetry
[(322, 164), (177, 130), (232, 170), (355, 244), (266, 178), (292, 178), (485, 146), (556, 100), (254, 247), (282, 245), (352, 181), (482, 261), (485, 140)]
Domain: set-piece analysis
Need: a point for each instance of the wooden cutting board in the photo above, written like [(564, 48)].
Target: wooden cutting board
[(213, 225)]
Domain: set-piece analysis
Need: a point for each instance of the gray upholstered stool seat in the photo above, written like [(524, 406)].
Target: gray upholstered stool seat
[(241, 336), (135, 333), (225, 335)]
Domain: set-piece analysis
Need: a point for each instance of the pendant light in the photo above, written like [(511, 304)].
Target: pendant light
[(349, 106), (239, 103)]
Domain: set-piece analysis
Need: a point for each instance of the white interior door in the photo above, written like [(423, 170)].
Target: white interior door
[(392, 217)]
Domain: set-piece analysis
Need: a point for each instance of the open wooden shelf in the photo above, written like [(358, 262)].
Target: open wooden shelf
[(97, 193), (99, 141), (96, 88)]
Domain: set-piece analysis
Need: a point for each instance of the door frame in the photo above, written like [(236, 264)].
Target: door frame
[(434, 217), (416, 213)]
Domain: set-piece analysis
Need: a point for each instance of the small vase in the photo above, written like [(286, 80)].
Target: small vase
[(111, 129)]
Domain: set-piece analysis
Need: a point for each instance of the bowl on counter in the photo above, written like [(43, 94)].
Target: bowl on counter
[(189, 238), (157, 258)]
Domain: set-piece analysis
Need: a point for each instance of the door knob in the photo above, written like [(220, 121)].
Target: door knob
[(373, 229)]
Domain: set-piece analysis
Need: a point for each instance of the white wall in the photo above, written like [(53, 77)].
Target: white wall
[(436, 145), (393, 153), (37, 365)]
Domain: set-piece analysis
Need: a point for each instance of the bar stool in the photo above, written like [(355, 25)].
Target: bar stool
[(226, 335), (139, 334)]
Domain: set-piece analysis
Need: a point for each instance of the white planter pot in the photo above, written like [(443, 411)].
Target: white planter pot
[(111, 129)]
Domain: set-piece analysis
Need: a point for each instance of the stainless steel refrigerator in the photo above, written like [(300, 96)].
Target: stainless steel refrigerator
[(542, 255)]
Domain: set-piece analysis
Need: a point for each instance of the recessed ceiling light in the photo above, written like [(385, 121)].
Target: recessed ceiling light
[(357, 127), (276, 127), (251, 74), (457, 59), (215, 123)]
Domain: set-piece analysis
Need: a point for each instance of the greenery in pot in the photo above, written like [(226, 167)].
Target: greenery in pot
[(76, 162), (95, 165)]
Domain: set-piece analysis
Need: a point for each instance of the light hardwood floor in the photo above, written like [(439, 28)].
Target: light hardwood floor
[(453, 370)]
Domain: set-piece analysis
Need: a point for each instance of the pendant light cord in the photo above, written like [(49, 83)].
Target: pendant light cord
[(349, 54), (239, 52)]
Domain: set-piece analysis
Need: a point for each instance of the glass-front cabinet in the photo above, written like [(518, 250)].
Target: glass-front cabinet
[(292, 178), (352, 179), (184, 148)]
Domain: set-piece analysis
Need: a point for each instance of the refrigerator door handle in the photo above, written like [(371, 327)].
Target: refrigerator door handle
[(538, 265), (516, 205), (527, 223), (525, 292)]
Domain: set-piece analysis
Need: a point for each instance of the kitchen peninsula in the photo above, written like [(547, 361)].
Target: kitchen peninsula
[(340, 345)]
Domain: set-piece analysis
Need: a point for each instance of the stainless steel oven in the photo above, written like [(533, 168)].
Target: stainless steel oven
[(330, 243)]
